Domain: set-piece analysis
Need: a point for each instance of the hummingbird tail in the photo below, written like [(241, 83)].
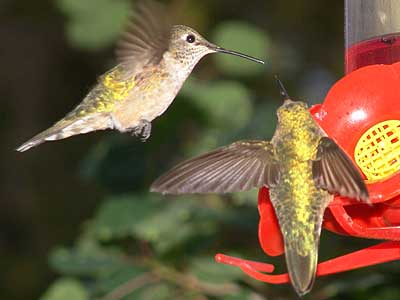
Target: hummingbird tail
[(66, 128), (302, 268)]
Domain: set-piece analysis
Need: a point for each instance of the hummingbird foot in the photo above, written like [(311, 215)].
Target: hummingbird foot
[(143, 130), (115, 124)]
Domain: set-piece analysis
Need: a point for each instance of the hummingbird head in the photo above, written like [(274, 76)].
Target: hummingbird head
[(290, 111), (189, 46)]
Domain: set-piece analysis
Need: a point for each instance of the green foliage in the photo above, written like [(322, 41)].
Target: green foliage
[(207, 270), (219, 99), (160, 291), (142, 246), (66, 289), (115, 281), (85, 262), (121, 217), (151, 219), (244, 294), (93, 24), (242, 37)]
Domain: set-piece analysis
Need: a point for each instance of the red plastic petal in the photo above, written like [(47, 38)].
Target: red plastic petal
[(358, 101), (269, 233), (381, 253)]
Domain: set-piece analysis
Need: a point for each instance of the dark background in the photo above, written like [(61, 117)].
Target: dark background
[(72, 211)]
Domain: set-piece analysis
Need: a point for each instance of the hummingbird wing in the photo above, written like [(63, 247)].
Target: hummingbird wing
[(237, 167), (146, 37), (334, 171)]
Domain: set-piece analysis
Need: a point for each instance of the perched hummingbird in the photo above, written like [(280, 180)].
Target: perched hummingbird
[(302, 168), (154, 60)]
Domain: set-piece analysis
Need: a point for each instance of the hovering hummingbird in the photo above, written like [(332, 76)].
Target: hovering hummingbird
[(302, 168), (154, 60)]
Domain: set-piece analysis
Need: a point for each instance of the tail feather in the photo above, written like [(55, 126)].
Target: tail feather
[(33, 142), (66, 128), (302, 268)]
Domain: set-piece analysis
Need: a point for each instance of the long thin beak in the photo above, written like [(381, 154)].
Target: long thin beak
[(222, 50), (282, 90)]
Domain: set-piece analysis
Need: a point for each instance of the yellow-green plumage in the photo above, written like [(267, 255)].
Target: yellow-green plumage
[(94, 112), (113, 87), (154, 60), (302, 169), (298, 203)]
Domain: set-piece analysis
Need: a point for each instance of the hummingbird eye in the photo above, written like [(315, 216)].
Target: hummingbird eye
[(190, 38)]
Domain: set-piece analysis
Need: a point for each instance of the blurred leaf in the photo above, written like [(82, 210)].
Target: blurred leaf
[(244, 294), (207, 140), (206, 269), (389, 293), (358, 284), (246, 197), (120, 217), (157, 292), (174, 225), (117, 163), (164, 224), (66, 289), (242, 37), (93, 24), (76, 262), (128, 275), (226, 103), (263, 124)]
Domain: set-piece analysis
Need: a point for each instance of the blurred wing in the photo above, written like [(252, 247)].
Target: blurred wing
[(146, 36), (237, 167), (334, 171)]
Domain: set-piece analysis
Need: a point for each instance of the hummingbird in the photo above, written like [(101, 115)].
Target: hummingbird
[(303, 169), (154, 60)]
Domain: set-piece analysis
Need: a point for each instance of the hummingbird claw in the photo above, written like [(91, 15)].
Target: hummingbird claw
[(143, 130)]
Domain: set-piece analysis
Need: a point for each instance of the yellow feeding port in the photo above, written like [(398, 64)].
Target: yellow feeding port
[(377, 153)]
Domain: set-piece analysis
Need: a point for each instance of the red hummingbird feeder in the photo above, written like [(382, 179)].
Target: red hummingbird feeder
[(361, 113)]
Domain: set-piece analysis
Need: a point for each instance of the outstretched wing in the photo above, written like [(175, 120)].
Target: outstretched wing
[(237, 167), (334, 171), (146, 36)]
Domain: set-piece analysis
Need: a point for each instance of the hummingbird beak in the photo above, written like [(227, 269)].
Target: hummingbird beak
[(226, 51), (282, 90)]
